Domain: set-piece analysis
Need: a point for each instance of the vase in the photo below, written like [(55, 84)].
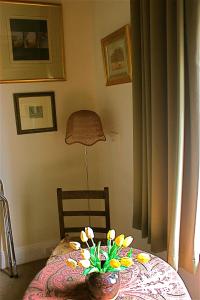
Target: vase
[(103, 286)]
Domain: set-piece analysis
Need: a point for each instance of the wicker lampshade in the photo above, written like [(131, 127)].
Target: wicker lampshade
[(84, 127)]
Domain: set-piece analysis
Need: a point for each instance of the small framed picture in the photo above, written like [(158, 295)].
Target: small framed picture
[(35, 112), (116, 48)]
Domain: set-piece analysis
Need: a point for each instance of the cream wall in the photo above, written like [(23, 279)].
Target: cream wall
[(32, 166), (114, 103)]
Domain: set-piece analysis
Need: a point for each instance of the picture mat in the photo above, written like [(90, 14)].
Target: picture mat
[(28, 122), (118, 44)]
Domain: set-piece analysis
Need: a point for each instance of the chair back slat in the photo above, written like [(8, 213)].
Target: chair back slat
[(83, 194), (78, 229), (81, 213)]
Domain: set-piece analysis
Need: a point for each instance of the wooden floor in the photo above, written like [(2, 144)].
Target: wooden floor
[(14, 288)]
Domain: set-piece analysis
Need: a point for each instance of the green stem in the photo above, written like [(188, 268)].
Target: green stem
[(93, 242)]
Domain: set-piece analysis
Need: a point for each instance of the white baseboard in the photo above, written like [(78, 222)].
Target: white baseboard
[(30, 252), (2, 260)]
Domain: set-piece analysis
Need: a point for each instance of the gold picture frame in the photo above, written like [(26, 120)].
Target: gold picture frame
[(32, 42), (116, 49)]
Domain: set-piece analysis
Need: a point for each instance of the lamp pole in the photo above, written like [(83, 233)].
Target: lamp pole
[(87, 179)]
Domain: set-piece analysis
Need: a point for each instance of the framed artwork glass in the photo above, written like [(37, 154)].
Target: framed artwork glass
[(35, 112), (32, 45), (116, 49)]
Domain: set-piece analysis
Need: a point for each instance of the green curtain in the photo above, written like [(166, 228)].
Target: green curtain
[(165, 39)]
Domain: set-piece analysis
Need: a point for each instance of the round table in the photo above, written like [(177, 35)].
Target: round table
[(153, 280)]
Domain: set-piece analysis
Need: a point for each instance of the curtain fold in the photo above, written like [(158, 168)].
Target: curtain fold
[(137, 113), (176, 138), (146, 122), (189, 232), (165, 37)]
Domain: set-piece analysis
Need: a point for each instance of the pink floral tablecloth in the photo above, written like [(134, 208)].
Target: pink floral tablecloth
[(153, 280)]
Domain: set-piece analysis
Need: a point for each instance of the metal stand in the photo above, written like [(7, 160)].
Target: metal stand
[(12, 269), (87, 180)]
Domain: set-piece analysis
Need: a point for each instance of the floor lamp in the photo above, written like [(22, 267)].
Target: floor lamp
[(84, 127)]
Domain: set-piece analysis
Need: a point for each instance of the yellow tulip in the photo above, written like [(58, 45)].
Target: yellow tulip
[(119, 240), (111, 234), (143, 257), (85, 254), (85, 263), (83, 237), (75, 245), (128, 240), (71, 263), (114, 263), (89, 232), (126, 262)]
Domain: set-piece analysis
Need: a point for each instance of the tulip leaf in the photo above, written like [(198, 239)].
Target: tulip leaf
[(92, 270), (87, 271), (93, 256), (98, 248), (93, 260), (98, 263), (109, 245), (130, 253), (106, 265), (92, 250), (104, 253), (113, 252), (113, 248), (117, 257), (123, 268), (111, 269)]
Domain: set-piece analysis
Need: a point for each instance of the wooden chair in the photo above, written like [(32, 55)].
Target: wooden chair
[(92, 195)]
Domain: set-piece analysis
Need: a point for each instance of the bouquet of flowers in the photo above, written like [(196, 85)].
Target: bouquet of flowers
[(92, 256)]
